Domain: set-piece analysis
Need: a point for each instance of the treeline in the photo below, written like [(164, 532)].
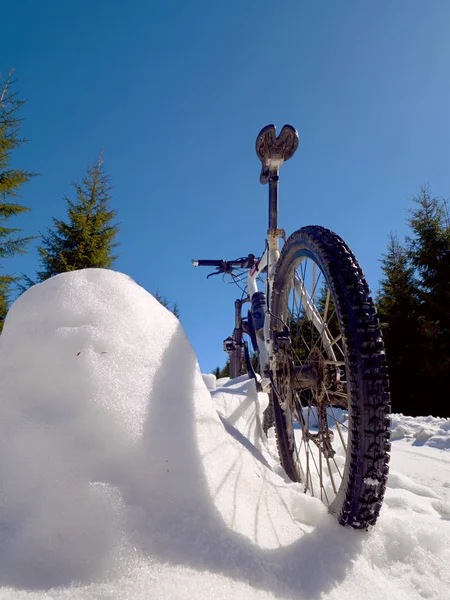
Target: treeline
[(414, 309), (87, 236)]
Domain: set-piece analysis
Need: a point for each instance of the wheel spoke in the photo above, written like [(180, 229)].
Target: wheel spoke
[(344, 445), (337, 420), (314, 281), (321, 475), (331, 475), (337, 339), (327, 304)]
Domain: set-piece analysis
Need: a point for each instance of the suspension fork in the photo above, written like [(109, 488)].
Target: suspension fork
[(237, 333), (233, 345), (259, 312)]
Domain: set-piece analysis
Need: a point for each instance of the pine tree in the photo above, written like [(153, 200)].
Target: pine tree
[(216, 372), (165, 302), (429, 251), (224, 372), (430, 255), (11, 180), (86, 239), (399, 312)]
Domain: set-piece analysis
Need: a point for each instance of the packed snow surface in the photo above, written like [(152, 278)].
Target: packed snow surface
[(123, 476)]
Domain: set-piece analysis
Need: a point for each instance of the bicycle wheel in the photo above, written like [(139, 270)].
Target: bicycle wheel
[(330, 388)]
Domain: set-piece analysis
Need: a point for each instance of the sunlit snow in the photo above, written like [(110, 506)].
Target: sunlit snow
[(123, 476)]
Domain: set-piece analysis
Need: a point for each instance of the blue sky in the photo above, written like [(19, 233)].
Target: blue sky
[(175, 93)]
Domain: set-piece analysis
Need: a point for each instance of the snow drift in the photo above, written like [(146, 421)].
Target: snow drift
[(422, 431), (121, 476)]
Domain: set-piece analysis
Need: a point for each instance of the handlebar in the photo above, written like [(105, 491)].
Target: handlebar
[(227, 266)]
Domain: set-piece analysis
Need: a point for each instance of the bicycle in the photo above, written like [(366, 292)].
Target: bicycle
[(319, 352)]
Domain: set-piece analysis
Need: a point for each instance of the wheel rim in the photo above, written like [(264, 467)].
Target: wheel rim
[(311, 380)]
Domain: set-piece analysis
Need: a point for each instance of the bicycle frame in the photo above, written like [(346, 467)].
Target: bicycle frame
[(267, 263)]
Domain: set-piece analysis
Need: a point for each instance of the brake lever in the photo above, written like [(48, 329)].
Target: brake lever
[(218, 272), (224, 268)]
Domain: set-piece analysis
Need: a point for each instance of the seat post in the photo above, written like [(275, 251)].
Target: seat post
[(273, 200)]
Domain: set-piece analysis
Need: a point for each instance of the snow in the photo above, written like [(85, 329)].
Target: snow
[(123, 476), (421, 431), (209, 380)]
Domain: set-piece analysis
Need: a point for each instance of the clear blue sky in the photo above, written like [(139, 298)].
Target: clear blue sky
[(175, 93)]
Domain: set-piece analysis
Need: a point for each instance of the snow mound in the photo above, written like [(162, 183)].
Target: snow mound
[(421, 431), (110, 445), (122, 476)]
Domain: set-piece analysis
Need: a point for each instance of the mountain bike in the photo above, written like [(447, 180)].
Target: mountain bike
[(317, 350)]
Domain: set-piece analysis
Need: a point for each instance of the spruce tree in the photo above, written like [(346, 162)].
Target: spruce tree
[(429, 251), (430, 255), (399, 312), (222, 372), (11, 180), (86, 239), (165, 302)]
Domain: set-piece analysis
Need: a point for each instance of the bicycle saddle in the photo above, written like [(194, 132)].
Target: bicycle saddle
[(272, 151)]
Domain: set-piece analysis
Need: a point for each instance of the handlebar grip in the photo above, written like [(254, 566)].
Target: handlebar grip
[(207, 263)]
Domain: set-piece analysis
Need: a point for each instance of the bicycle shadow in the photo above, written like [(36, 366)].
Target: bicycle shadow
[(171, 514), (231, 430)]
